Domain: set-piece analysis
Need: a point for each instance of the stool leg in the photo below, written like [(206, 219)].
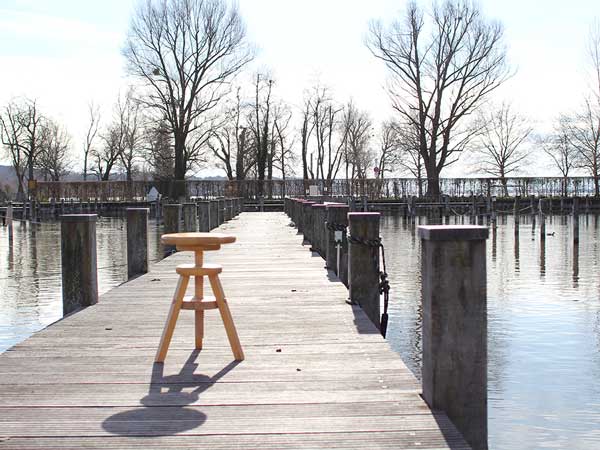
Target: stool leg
[(232, 335), (167, 334), (199, 316)]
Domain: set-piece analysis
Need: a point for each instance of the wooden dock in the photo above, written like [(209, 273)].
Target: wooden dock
[(317, 374)]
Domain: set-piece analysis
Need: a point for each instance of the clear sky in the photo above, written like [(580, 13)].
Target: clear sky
[(67, 52)]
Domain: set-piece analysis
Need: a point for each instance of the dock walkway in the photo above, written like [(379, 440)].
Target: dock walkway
[(317, 374)]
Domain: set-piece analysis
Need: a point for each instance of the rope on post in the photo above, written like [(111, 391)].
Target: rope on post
[(384, 284)]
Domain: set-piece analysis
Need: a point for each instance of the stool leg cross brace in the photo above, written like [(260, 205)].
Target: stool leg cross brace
[(198, 303)]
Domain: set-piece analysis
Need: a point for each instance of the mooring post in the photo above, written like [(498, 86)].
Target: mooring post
[(79, 262), (204, 216), (214, 214), (365, 204), (221, 211), (576, 220), (446, 199), (336, 245), (454, 370), (363, 263), (190, 217), (261, 203), (318, 231), (226, 210), (542, 221), (300, 215), (137, 241), (307, 220), (157, 211), (172, 223)]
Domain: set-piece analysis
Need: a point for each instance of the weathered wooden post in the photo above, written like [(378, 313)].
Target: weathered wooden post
[(576, 220), (363, 263), (221, 211), (299, 215), (157, 211), (307, 220), (336, 245), (542, 221), (454, 371), (204, 216), (365, 204), (230, 209), (318, 231), (190, 217), (226, 210), (446, 199), (261, 203), (137, 241), (79, 262), (172, 223), (214, 214)]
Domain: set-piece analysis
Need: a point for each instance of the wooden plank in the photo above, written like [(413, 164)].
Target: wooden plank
[(317, 374)]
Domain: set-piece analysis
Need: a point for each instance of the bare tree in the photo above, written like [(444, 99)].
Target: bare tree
[(13, 140), (159, 151), (54, 160), (584, 135), (440, 73), (330, 129), (500, 142), (409, 158), (284, 157), (90, 136), (357, 126), (305, 132), (389, 156), (583, 126), (557, 145), (185, 52), (130, 124), (260, 123)]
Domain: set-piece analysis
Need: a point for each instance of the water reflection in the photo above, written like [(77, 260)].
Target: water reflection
[(30, 273), (543, 333)]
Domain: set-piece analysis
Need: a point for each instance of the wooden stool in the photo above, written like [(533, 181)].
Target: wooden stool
[(198, 243)]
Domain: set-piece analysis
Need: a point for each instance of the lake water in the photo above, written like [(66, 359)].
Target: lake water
[(543, 307)]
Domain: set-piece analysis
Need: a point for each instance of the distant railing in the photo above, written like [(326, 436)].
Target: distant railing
[(391, 188)]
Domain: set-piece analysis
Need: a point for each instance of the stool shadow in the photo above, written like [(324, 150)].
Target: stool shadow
[(164, 411)]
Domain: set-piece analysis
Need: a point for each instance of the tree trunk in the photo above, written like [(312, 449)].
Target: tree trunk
[(178, 189)]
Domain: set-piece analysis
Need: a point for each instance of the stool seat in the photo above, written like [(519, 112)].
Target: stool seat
[(191, 270), (190, 240)]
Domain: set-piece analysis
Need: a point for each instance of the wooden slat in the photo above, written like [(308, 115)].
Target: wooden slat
[(317, 374)]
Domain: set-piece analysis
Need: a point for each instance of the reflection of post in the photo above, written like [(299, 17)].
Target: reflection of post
[(454, 372), (494, 240), (575, 264), (517, 264), (9, 221), (542, 259), (575, 220)]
